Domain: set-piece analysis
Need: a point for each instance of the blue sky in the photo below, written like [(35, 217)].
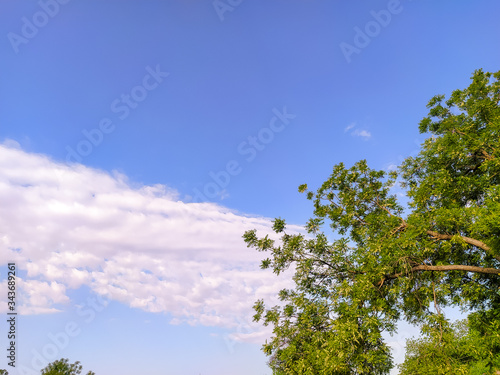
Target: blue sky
[(142, 138)]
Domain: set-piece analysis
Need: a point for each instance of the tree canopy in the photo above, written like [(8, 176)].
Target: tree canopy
[(63, 367), (387, 259), (457, 348), (59, 367)]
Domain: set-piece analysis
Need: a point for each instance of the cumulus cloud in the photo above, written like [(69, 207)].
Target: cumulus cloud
[(361, 133), (73, 226)]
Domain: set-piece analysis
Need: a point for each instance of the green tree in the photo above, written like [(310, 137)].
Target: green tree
[(4, 372), (63, 367), (457, 348), (387, 262)]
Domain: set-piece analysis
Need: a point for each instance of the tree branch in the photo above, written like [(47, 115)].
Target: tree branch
[(457, 267), (449, 267), (470, 241), (487, 156), (383, 207)]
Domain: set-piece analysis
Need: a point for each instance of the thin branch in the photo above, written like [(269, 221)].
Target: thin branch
[(402, 226), (486, 155), (457, 267), (470, 241), (450, 267), (436, 306), (336, 205), (383, 207)]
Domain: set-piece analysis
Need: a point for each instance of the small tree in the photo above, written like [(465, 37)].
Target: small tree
[(63, 367)]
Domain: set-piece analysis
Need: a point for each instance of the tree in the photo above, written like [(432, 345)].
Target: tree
[(388, 261), (454, 349), (62, 367), (4, 372)]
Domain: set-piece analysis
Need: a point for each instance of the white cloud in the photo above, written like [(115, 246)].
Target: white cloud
[(36, 297), (361, 133), (349, 127), (73, 226), (356, 132)]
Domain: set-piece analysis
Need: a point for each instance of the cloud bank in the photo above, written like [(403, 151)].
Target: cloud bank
[(73, 226)]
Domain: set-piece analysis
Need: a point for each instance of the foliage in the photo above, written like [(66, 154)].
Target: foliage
[(454, 349), (386, 262), (4, 372), (62, 367)]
